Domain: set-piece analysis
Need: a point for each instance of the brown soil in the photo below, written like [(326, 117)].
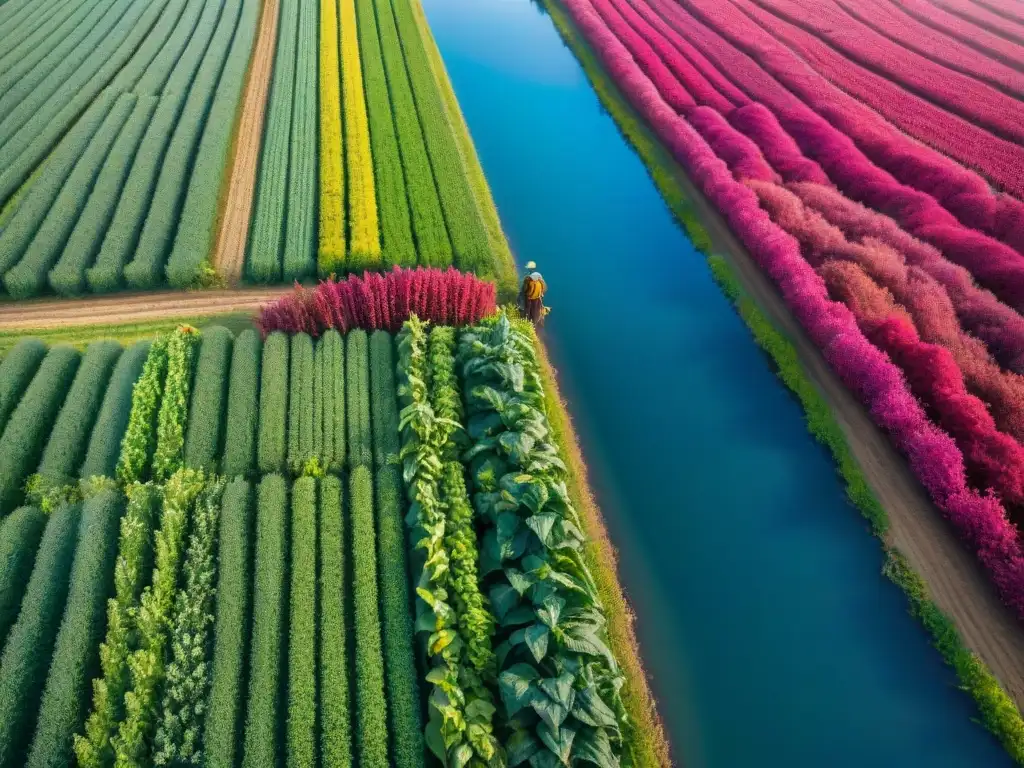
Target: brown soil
[(955, 579), (229, 253), (128, 308)]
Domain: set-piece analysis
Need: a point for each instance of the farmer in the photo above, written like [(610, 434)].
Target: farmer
[(531, 295)]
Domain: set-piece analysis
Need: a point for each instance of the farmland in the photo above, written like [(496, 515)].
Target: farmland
[(185, 143), (208, 538)]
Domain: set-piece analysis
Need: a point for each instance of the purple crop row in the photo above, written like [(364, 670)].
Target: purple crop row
[(933, 456), (993, 264), (962, 28)]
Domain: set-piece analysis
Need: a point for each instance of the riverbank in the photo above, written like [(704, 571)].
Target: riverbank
[(916, 528)]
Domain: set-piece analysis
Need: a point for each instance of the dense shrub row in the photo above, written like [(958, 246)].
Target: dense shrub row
[(460, 711), (75, 658), (112, 419), (25, 435), (94, 748), (227, 691), (242, 420), (140, 434), (333, 647), (183, 698), (378, 301), (273, 413), (357, 399), (302, 656), (329, 401), (550, 619), (16, 372), (20, 533), (29, 647), (206, 409), (261, 746), (172, 418), (300, 405)]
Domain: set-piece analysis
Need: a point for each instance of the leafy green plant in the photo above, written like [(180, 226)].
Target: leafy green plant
[(357, 399), (183, 700), (26, 655), (112, 420), (29, 426), (220, 739), (302, 626), (140, 435), (273, 413), (134, 562), (66, 446), (459, 728), (146, 663), (371, 707), (75, 658), (206, 411), (261, 744), (243, 406), (335, 710), (558, 679), (173, 415), (300, 403), (20, 533)]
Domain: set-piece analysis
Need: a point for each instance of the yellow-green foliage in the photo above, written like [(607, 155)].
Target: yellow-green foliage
[(332, 174), (364, 248)]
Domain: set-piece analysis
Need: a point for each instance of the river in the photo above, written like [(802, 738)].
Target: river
[(768, 631)]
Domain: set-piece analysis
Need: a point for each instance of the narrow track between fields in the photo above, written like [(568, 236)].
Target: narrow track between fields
[(229, 252), (128, 308)]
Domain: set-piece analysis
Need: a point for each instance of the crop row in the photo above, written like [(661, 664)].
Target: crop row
[(149, 105), (952, 468)]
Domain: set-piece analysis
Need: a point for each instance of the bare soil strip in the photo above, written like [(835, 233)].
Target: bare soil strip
[(128, 308), (229, 252)]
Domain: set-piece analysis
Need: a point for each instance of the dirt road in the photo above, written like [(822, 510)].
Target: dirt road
[(229, 252), (127, 308)]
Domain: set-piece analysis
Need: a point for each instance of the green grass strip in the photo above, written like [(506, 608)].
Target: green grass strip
[(302, 627), (262, 740), (29, 647), (76, 653), (335, 706), (223, 718)]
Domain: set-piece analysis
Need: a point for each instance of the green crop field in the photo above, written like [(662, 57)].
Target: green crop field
[(212, 545)]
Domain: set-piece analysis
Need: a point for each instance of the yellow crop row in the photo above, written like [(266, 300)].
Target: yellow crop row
[(364, 248), (331, 256)]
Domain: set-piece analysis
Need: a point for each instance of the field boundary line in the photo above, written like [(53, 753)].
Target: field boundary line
[(236, 207)]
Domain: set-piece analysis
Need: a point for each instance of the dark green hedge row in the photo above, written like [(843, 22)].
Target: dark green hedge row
[(206, 411), (243, 406), (262, 741), (300, 404), (335, 712), (400, 663), (19, 539), (383, 399), (76, 653), (371, 706), (112, 419), (223, 719), (302, 627), (16, 371), (357, 394), (29, 426), (67, 444), (26, 656), (183, 699), (330, 366), (273, 415)]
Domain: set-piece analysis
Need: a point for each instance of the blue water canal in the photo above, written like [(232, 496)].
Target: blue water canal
[(771, 637)]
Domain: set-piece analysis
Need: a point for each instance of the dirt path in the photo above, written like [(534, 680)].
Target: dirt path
[(954, 577), (128, 308), (229, 253)]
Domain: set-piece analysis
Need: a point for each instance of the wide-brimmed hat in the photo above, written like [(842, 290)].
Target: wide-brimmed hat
[(531, 265)]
